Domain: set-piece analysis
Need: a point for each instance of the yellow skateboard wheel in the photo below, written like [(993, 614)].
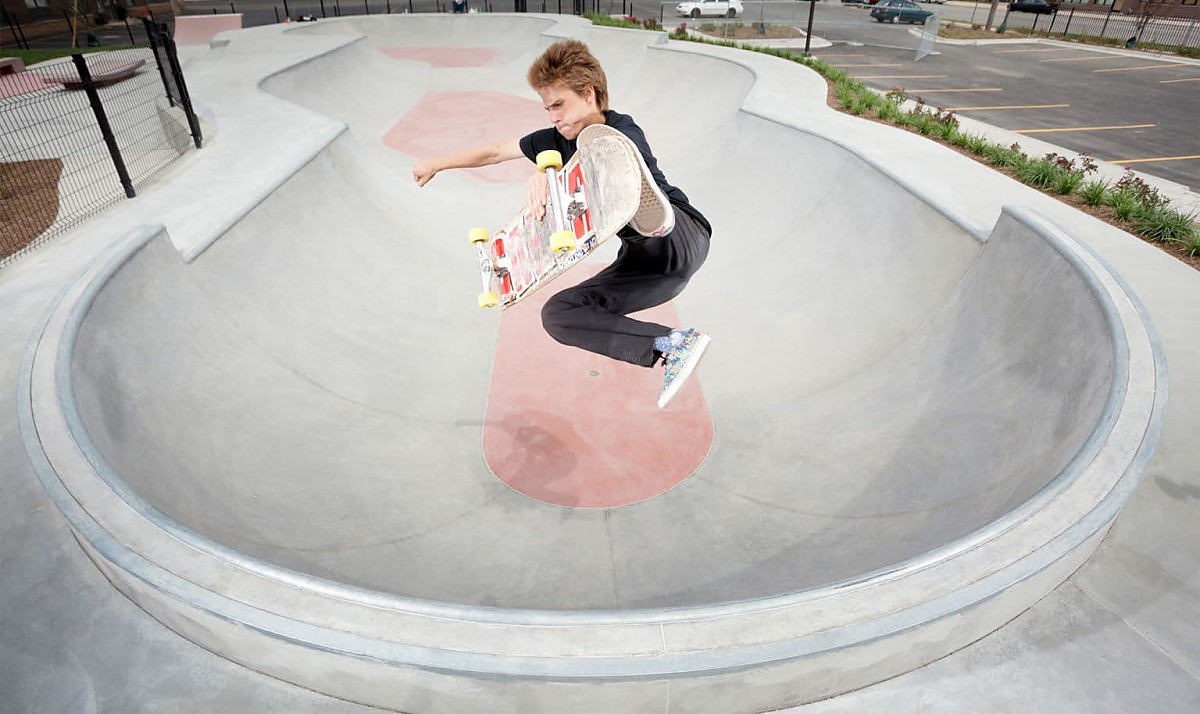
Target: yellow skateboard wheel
[(479, 235), (549, 159), (562, 241), (487, 300)]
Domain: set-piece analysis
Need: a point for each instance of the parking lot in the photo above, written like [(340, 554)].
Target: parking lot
[(1137, 111)]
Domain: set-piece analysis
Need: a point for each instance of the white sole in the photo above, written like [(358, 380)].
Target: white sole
[(686, 372), (653, 207)]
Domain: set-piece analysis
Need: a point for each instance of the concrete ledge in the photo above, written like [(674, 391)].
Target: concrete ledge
[(11, 65)]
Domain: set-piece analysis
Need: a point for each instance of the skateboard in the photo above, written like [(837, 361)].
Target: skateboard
[(604, 187)]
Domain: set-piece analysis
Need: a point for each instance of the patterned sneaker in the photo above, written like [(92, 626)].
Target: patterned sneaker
[(680, 363)]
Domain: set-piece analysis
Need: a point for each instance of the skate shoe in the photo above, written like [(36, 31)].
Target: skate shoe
[(680, 363), (654, 216)]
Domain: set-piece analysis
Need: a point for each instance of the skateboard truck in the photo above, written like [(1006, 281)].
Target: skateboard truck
[(487, 268), (563, 240)]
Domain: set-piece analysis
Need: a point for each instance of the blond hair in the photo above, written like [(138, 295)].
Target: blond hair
[(572, 64)]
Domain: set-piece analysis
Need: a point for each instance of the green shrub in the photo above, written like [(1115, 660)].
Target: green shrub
[(1124, 205), (1166, 225), (847, 96), (976, 144), (868, 99), (889, 110), (1141, 192), (1095, 193), (1039, 173), (954, 136), (1067, 183), (1009, 157)]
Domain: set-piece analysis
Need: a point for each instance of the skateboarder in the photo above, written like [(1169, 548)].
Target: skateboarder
[(654, 263)]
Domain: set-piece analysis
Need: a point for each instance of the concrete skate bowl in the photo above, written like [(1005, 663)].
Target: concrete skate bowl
[(921, 427)]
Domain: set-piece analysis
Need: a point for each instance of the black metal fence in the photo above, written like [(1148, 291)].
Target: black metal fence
[(78, 134), (1123, 28)]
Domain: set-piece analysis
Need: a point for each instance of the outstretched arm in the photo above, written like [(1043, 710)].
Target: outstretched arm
[(484, 155)]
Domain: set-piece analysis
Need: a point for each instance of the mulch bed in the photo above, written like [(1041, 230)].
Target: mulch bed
[(750, 32), (28, 202)]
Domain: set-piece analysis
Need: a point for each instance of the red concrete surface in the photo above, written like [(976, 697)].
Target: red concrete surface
[(445, 56), (198, 30), (571, 428), (12, 85), (447, 122)]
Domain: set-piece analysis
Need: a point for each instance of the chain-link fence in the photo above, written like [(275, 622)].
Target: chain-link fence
[(79, 134)]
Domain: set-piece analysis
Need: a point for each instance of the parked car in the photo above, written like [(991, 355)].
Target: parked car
[(900, 11), (1042, 7), (709, 8)]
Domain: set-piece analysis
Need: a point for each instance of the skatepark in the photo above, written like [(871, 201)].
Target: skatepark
[(261, 400)]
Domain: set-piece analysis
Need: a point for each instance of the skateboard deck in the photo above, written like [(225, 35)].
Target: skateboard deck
[(603, 187)]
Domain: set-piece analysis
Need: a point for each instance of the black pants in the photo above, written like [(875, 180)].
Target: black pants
[(646, 273)]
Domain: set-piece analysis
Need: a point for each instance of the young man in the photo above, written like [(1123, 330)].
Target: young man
[(649, 269)]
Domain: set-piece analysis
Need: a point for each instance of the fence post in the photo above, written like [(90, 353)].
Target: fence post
[(16, 28), (1106, 18), (808, 33), (1068, 27), (102, 120), (155, 46), (163, 47)]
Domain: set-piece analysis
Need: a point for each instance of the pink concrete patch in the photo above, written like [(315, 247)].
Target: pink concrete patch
[(447, 122), (571, 428), (445, 56), (12, 85), (198, 30)]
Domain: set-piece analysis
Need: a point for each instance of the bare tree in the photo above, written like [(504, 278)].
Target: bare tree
[(1144, 12)]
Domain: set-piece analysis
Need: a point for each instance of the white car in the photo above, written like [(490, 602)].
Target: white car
[(710, 8)]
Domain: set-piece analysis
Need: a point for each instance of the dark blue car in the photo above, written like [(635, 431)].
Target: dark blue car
[(1042, 7), (900, 11)]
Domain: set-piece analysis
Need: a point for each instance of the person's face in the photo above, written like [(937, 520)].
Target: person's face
[(570, 112)]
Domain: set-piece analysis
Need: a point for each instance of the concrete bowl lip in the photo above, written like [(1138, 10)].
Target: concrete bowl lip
[(1090, 512), (104, 269)]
